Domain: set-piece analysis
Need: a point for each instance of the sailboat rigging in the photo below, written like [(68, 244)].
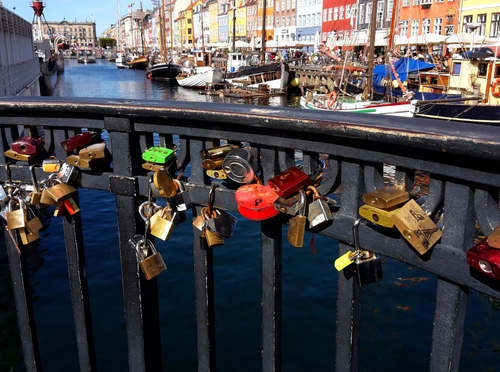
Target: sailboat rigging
[(166, 69)]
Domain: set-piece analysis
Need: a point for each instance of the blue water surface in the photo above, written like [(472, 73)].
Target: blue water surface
[(397, 313)]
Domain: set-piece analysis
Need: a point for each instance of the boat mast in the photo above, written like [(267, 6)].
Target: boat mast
[(371, 51), (393, 26), (162, 32), (170, 26), (264, 5), (142, 30)]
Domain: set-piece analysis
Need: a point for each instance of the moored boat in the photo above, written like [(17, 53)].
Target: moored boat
[(164, 71), (200, 77)]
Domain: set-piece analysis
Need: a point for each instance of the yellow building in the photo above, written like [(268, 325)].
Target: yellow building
[(213, 15), (241, 20), (481, 15)]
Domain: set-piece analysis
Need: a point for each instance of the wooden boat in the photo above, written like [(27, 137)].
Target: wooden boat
[(476, 79), (200, 77), (138, 63)]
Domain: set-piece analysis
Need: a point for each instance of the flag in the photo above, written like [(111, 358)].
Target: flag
[(131, 5)]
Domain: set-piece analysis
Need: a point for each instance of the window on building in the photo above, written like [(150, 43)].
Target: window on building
[(318, 19), (369, 13), (390, 7), (341, 12), (457, 66), (293, 4), (330, 14), (277, 22), (361, 13), (335, 13), (277, 6), (481, 18), (414, 27), (325, 15), (287, 21), (438, 26), (426, 26), (495, 25), (467, 19), (406, 2), (380, 13)]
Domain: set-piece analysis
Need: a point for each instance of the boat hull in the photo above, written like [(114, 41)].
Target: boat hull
[(482, 114), (205, 75), (164, 71), (48, 78)]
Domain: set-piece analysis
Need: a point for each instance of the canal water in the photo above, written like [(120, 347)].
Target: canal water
[(397, 313)]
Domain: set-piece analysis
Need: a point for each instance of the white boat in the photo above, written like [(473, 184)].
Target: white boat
[(324, 102), (200, 77)]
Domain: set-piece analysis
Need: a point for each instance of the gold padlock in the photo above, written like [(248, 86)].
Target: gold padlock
[(378, 216), (164, 183), (61, 191), (164, 224), (95, 151), (16, 218), (297, 224), (150, 264), (494, 238), (17, 156), (416, 227), (76, 161), (386, 197)]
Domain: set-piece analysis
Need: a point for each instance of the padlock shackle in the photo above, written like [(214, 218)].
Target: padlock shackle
[(33, 175), (355, 233), (211, 198)]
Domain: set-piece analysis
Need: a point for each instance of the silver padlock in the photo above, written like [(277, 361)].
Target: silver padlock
[(151, 264), (181, 199), (289, 205), (319, 211), (367, 267), (67, 173)]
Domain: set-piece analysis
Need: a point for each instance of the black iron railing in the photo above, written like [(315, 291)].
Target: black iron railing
[(463, 162)]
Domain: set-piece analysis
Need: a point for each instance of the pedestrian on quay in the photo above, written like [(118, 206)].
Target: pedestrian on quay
[(296, 57), (304, 58)]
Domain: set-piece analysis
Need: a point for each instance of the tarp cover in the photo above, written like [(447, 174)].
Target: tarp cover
[(403, 66)]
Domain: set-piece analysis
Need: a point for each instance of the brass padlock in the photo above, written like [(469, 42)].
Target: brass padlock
[(16, 218), (416, 227), (164, 183), (297, 224), (150, 261), (95, 151), (494, 238), (289, 205), (216, 152), (46, 199), (76, 161), (61, 191), (212, 163), (217, 174), (386, 197), (318, 212), (378, 216), (152, 166), (163, 225), (17, 156), (36, 194), (30, 232), (212, 239)]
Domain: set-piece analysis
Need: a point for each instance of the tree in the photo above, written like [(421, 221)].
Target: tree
[(107, 42)]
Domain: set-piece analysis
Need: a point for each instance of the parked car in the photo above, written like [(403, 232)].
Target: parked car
[(480, 53)]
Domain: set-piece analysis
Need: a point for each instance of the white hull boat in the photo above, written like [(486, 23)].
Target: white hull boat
[(203, 75)]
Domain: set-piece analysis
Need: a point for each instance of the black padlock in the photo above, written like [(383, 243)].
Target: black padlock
[(367, 267)]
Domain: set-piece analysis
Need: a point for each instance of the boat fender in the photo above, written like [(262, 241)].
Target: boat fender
[(495, 87), (332, 98)]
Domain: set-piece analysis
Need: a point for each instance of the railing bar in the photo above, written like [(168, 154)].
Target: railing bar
[(271, 296), (24, 305), (451, 303), (79, 290), (272, 278), (205, 304), (349, 294)]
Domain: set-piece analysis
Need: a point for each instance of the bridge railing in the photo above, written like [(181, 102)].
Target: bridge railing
[(461, 160)]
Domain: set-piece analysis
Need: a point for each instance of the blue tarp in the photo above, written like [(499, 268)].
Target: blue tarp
[(403, 66)]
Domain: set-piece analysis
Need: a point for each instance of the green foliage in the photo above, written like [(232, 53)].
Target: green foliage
[(107, 42)]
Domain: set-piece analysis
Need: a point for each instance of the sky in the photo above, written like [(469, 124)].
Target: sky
[(102, 11)]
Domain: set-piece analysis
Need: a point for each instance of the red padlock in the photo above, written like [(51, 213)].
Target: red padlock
[(485, 259), (27, 145), (289, 182), (77, 141), (256, 201)]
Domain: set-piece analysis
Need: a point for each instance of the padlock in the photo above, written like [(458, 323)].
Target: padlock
[(60, 210), (16, 214), (386, 197), (36, 194), (51, 165), (151, 264), (494, 238), (80, 140), (289, 205), (30, 232), (17, 156), (95, 151), (212, 163), (239, 165), (213, 238), (27, 145), (222, 224), (181, 199), (367, 266), (289, 182), (71, 206), (217, 174), (152, 166), (215, 152), (159, 155), (484, 258), (318, 211), (67, 173), (256, 201), (163, 225), (164, 183), (76, 161), (416, 227), (382, 217), (297, 224), (61, 191)]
